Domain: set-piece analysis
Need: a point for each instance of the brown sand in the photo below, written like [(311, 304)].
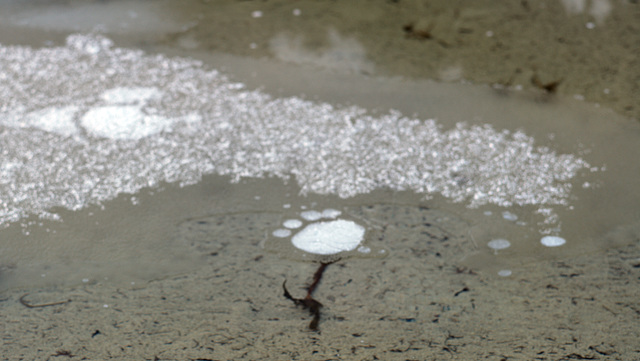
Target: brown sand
[(447, 40)]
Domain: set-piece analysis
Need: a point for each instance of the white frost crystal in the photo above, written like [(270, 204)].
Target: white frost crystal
[(145, 119)]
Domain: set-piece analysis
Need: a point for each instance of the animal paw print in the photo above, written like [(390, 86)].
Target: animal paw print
[(324, 233)]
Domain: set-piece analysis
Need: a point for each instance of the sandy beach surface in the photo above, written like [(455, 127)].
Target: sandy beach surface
[(193, 272)]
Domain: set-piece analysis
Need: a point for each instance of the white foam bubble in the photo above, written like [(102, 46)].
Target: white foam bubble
[(122, 122), (311, 215), (498, 244), (552, 241), (504, 273), (509, 216), (281, 233), (292, 223), (331, 213), (331, 237)]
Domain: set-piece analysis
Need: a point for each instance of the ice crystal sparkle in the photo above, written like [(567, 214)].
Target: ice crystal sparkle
[(179, 120)]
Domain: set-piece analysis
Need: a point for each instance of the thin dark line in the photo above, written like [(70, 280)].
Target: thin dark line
[(29, 305)]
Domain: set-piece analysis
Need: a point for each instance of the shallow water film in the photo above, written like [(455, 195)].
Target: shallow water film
[(156, 175)]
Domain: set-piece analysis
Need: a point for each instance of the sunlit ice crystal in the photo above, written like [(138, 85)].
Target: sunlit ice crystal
[(145, 119)]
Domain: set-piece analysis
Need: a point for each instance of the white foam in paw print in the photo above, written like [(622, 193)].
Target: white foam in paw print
[(324, 237)]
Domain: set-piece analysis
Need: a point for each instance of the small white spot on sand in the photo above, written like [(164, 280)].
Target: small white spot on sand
[(311, 215), (331, 213), (292, 223), (281, 233), (509, 216), (552, 241), (504, 273), (497, 244)]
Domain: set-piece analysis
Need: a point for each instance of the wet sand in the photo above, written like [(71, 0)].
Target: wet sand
[(417, 303), (435, 295), (525, 44)]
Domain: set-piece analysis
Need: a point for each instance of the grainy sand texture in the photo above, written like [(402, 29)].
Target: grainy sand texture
[(187, 267)]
